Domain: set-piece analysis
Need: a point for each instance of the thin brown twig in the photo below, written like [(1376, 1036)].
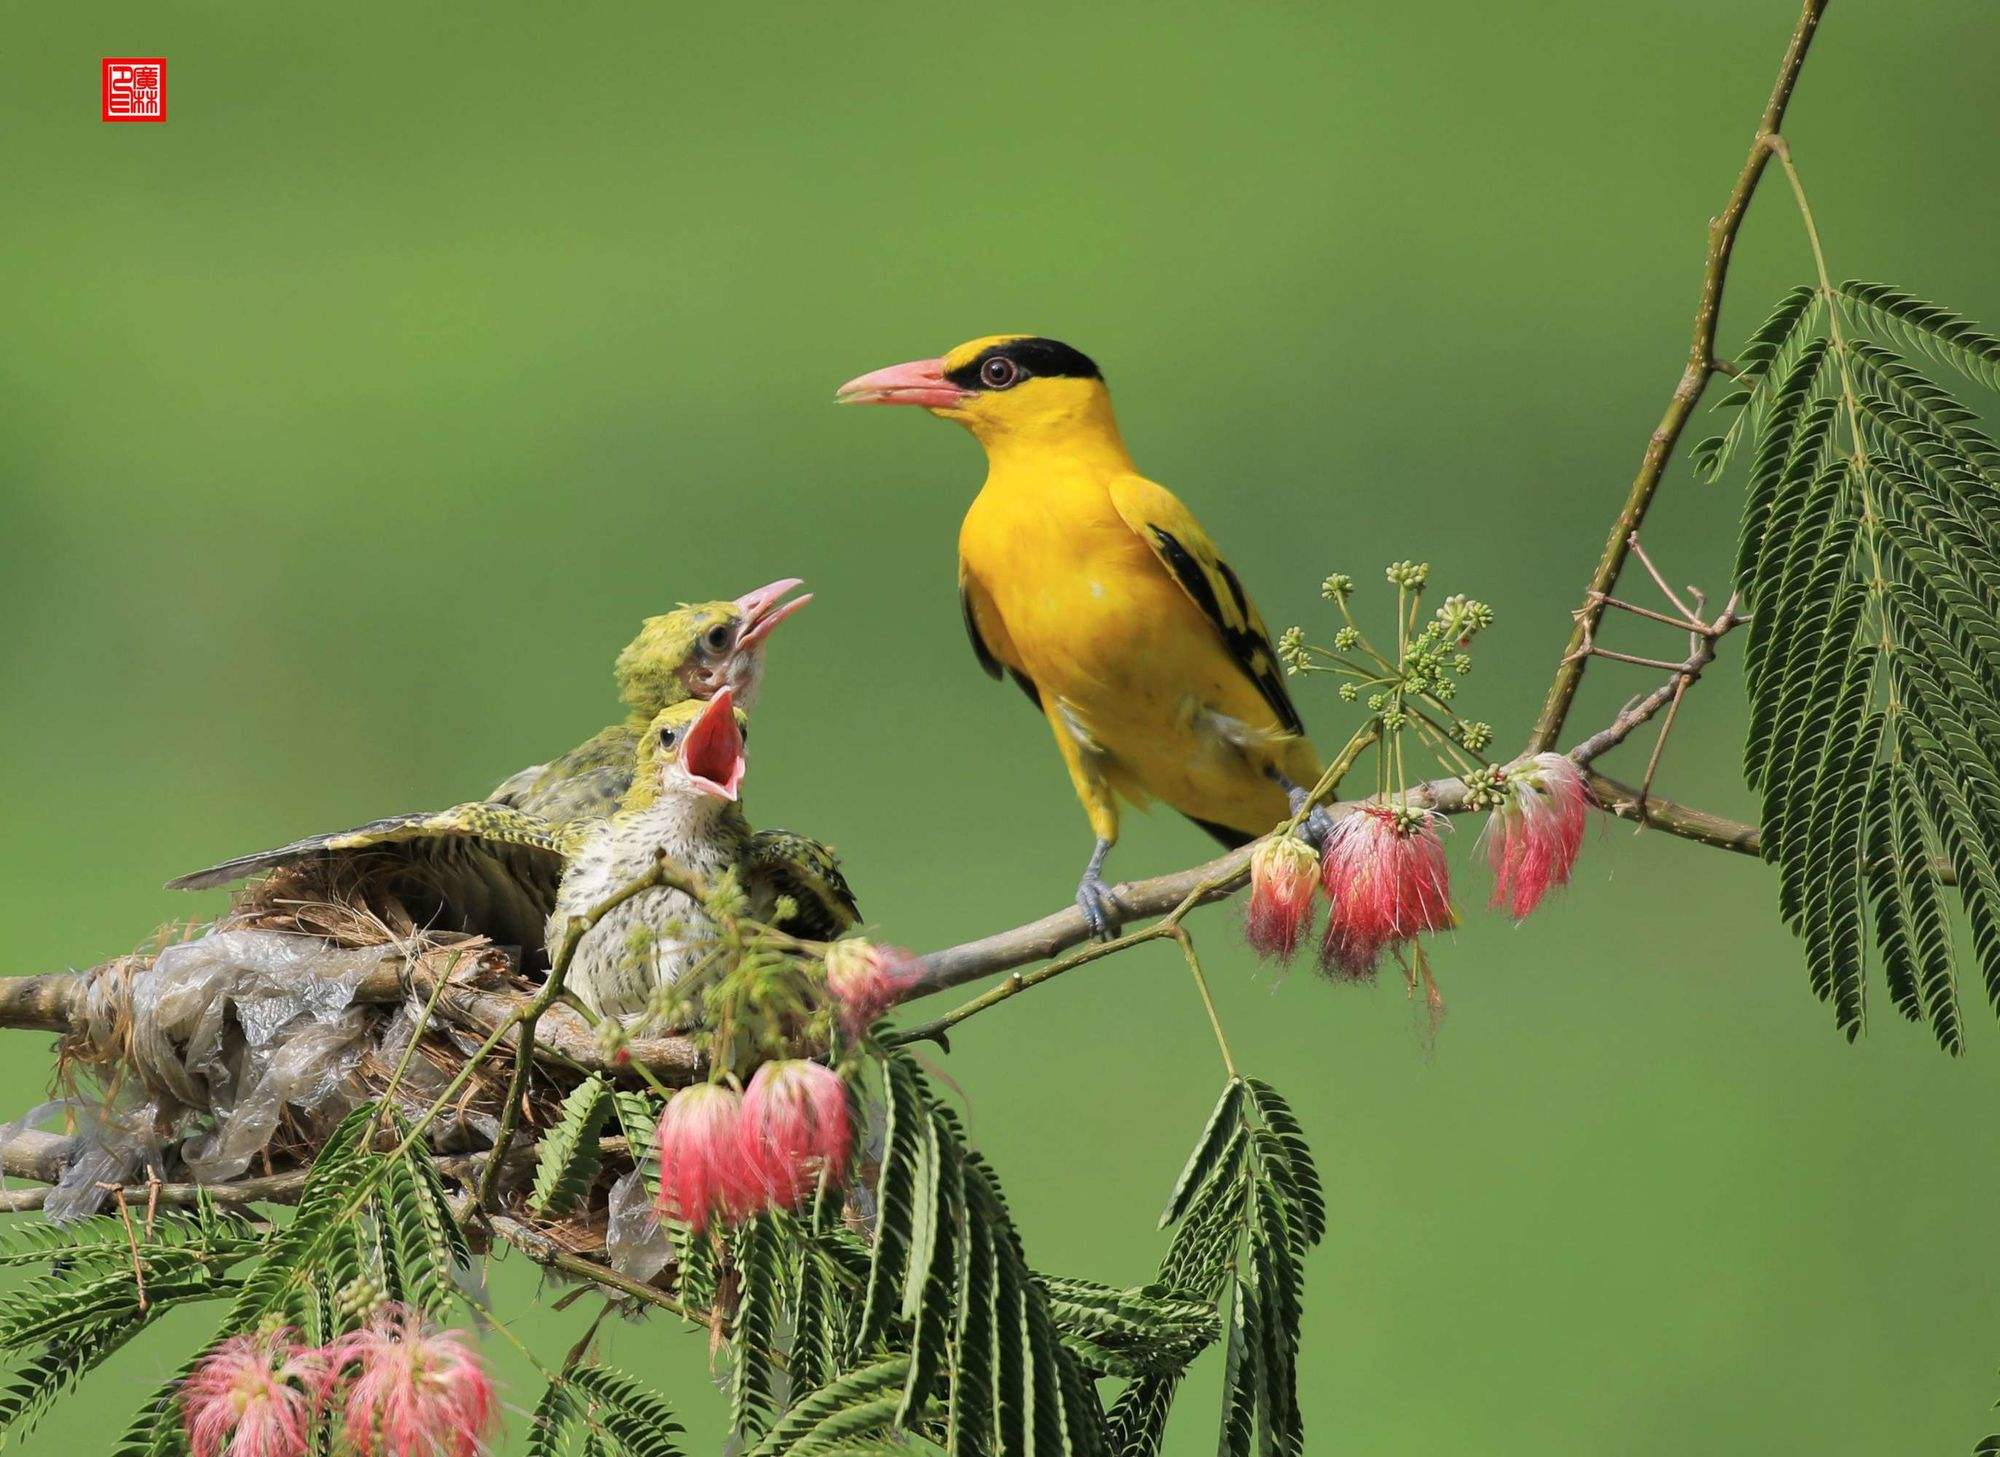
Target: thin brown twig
[(1687, 392), (1633, 658), (1648, 613), (663, 874), (1659, 578), (131, 1242), (1666, 727)]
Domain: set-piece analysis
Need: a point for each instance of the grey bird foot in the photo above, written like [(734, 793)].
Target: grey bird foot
[(1318, 823), (1099, 906), (1094, 898)]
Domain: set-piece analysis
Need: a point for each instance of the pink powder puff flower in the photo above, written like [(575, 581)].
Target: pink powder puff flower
[(1284, 878), (1385, 879), (795, 1125), (416, 1391), (703, 1172), (866, 980), (1532, 838), (253, 1396)]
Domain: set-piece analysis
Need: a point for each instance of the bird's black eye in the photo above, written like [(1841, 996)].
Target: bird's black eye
[(999, 372), (716, 639), (669, 737)]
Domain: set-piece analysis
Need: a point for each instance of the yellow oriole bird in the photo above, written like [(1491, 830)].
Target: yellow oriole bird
[(1102, 595)]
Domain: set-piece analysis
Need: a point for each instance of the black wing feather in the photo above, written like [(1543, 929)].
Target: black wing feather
[(1251, 650)]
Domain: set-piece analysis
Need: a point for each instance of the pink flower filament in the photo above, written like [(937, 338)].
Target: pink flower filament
[(253, 1396), (1533, 838), (415, 1391), (795, 1128), (1284, 879), (1385, 879)]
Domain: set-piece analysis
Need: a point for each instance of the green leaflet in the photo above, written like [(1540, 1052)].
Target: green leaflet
[(1931, 330), (1248, 1206), (569, 1153), (65, 1323), (1141, 1330), (1870, 555), (1764, 363), (758, 1256), (624, 1416), (980, 1353), (858, 1402)]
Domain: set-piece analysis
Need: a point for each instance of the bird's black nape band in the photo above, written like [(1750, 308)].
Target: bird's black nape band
[(1043, 358)]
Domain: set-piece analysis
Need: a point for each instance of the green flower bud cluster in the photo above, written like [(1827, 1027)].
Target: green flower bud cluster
[(1292, 649), (1410, 575), (1336, 586), (1488, 788), (361, 1297), (1346, 638), (1461, 617), (1475, 736), (1407, 819)]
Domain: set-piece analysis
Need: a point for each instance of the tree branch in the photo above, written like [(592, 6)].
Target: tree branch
[(41, 1156), (1701, 364), (1617, 798)]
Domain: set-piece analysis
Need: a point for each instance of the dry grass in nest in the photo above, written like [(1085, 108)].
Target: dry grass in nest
[(349, 903)]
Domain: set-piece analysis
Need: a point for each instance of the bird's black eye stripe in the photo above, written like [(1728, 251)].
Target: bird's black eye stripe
[(1046, 358)]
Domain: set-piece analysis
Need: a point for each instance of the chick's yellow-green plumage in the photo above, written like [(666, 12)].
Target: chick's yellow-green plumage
[(685, 654), (1099, 591), (492, 866)]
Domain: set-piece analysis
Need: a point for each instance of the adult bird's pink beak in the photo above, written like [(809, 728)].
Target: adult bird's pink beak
[(712, 753), (920, 382), (764, 609)]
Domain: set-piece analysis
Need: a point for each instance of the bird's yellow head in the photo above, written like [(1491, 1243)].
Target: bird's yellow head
[(1007, 389), (698, 649), (692, 750)]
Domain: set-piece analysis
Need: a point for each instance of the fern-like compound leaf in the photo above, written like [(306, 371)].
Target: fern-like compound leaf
[(569, 1153)]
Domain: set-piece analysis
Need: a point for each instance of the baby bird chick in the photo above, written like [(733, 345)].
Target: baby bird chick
[(682, 803)]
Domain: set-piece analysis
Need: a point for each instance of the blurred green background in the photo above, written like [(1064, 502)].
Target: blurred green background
[(353, 418)]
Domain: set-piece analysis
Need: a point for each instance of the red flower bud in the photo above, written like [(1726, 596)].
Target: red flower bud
[(1284, 878), (866, 980), (1532, 839), (703, 1172), (795, 1126)]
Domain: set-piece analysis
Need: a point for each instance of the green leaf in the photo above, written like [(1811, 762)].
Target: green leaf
[(423, 1243), (1935, 331), (950, 1287), (569, 1150), (637, 1422), (858, 1403), (639, 1120), (758, 1255), (1130, 1332), (554, 1416), (1870, 553), (33, 1386), (1222, 1122)]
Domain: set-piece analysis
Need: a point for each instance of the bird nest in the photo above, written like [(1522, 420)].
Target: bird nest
[(232, 1049)]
